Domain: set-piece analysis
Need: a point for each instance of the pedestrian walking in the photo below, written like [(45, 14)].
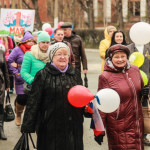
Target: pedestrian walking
[(57, 123), (105, 43), (17, 56), (77, 46), (35, 59), (59, 37), (145, 50), (124, 126), (118, 37), (4, 85)]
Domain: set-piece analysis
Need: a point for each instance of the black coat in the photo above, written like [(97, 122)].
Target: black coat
[(58, 124), (4, 76)]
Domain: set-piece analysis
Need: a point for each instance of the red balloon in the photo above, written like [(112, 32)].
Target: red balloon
[(49, 30), (59, 24), (79, 96)]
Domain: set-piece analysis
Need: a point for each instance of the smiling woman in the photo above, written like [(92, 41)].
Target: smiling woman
[(126, 80), (58, 124)]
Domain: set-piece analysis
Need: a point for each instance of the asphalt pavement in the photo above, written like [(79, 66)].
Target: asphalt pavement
[(94, 63)]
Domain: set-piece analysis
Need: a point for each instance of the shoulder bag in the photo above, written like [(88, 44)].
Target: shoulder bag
[(27, 87), (8, 110)]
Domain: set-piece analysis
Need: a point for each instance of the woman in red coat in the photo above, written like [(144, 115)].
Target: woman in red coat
[(125, 125)]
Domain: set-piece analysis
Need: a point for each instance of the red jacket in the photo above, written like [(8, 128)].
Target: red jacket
[(125, 125)]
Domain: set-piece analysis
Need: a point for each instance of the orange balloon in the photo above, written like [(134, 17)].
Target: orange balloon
[(79, 96)]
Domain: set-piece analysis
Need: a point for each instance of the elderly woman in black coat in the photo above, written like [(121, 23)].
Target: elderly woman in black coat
[(59, 125), (4, 84)]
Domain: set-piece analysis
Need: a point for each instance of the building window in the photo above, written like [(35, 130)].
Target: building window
[(134, 8)]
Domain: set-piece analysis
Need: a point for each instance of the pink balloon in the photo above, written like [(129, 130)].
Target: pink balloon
[(49, 30), (79, 96), (59, 24)]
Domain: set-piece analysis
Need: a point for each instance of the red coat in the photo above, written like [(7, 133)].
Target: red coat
[(125, 125)]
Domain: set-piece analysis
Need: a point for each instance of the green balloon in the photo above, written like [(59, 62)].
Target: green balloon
[(144, 77)]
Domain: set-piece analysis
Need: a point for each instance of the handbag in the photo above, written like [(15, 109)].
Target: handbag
[(27, 87), (8, 110), (146, 117), (23, 142)]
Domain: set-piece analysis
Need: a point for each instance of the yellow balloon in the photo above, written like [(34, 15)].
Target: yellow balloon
[(144, 77), (137, 59)]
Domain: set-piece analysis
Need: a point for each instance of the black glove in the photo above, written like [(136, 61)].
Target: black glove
[(145, 92), (99, 139)]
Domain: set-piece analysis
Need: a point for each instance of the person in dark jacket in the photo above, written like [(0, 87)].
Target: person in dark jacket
[(58, 37), (4, 84), (58, 124), (124, 126), (77, 46), (145, 50)]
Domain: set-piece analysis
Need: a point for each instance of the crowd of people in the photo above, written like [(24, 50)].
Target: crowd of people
[(45, 69)]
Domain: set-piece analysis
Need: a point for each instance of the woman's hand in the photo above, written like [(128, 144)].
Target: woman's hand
[(14, 64)]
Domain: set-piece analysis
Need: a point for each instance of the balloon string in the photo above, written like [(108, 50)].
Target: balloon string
[(97, 98)]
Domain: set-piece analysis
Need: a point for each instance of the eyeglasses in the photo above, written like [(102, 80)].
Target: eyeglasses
[(62, 55)]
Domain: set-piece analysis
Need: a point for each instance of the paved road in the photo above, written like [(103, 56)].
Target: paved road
[(13, 132)]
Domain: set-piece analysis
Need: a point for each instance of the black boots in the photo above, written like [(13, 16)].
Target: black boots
[(2, 135)]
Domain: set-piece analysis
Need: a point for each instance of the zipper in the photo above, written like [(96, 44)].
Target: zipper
[(136, 105)]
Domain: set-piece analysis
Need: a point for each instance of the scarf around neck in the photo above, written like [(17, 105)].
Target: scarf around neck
[(63, 71), (38, 54), (25, 47)]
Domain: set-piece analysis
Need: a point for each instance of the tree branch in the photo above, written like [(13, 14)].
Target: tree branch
[(82, 5), (26, 4)]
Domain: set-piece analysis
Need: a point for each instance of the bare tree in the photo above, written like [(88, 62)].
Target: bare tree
[(37, 16), (87, 6), (118, 7), (148, 11)]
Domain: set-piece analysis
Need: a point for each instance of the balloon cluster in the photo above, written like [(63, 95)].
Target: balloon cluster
[(140, 35), (107, 100), (47, 27)]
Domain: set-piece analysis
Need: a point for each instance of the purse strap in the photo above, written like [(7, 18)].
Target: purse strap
[(7, 97), (32, 141)]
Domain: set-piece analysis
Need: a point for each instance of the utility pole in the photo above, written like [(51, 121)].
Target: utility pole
[(56, 14)]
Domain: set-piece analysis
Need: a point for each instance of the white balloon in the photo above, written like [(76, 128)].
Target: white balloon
[(109, 100), (140, 33), (45, 26)]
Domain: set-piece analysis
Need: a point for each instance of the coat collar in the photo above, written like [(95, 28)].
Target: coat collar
[(51, 69)]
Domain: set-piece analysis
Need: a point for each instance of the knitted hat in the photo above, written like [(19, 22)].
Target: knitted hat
[(42, 36), (53, 48), (111, 27), (117, 48)]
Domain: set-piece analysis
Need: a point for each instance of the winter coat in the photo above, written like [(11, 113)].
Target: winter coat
[(124, 126), (146, 66), (103, 46), (58, 124), (78, 50), (17, 56), (30, 66), (4, 77), (71, 58)]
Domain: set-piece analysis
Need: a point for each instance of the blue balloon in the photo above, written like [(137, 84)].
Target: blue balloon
[(52, 36)]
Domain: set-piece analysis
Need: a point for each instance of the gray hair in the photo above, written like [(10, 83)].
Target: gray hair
[(53, 48)]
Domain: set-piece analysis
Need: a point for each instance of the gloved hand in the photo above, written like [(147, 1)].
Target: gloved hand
[(145, 92), (99, 139)]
